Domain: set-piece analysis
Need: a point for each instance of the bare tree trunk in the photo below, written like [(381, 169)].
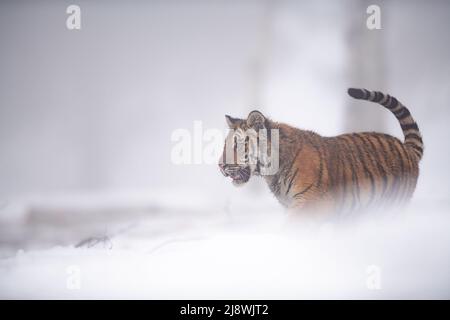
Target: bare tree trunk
[(366, 67), (259, 64)]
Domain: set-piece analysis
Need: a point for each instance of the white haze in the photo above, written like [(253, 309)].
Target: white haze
[(85, 125)]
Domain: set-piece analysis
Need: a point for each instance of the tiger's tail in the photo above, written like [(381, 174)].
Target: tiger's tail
[(413, 137)]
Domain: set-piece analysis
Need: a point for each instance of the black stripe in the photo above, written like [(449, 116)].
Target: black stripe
[(333, 152), (344, 186), (399, 180), (353, 163), (415, 136), (392, 104), (366, 171), (409, 185), (379, 166), (275, 185), (415, 146), (413, 172), (404, 186), (418, 153), (385, 158), (293, 162), (354, 178), (355, 185), (388, 100), (315, 146), (378, 96), (304, 191), (369, 152), (292, 179), (395, 181), (409, 126), (404, 113)]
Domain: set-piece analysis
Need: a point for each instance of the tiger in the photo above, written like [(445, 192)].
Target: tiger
[(343, 173)]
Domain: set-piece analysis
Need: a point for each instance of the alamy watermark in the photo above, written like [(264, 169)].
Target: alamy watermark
[(233, 147), (73, 280), (73, 21), (373, 21), (373, 280)]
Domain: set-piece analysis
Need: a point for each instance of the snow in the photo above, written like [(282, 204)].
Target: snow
[(102, 247)]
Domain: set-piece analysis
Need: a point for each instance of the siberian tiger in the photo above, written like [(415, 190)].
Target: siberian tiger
[(342, 173)]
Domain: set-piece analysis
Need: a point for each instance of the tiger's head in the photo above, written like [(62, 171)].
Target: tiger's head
[(240, 159)]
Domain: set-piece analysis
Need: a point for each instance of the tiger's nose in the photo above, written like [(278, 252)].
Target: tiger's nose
[(222, 169)]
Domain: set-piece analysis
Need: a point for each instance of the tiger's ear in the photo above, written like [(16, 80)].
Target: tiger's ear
[(256, 120), (232, 122)]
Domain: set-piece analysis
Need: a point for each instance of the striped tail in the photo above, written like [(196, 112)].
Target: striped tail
[(413, 138)]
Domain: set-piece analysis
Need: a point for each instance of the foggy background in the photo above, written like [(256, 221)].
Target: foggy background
[(86, 116)]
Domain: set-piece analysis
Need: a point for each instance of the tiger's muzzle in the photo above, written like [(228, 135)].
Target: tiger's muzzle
[(239, 174)]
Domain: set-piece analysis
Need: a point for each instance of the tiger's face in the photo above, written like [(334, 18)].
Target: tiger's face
[(239, 159)]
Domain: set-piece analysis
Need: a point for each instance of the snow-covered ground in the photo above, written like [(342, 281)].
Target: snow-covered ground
[(96, 110), (102, 247)]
